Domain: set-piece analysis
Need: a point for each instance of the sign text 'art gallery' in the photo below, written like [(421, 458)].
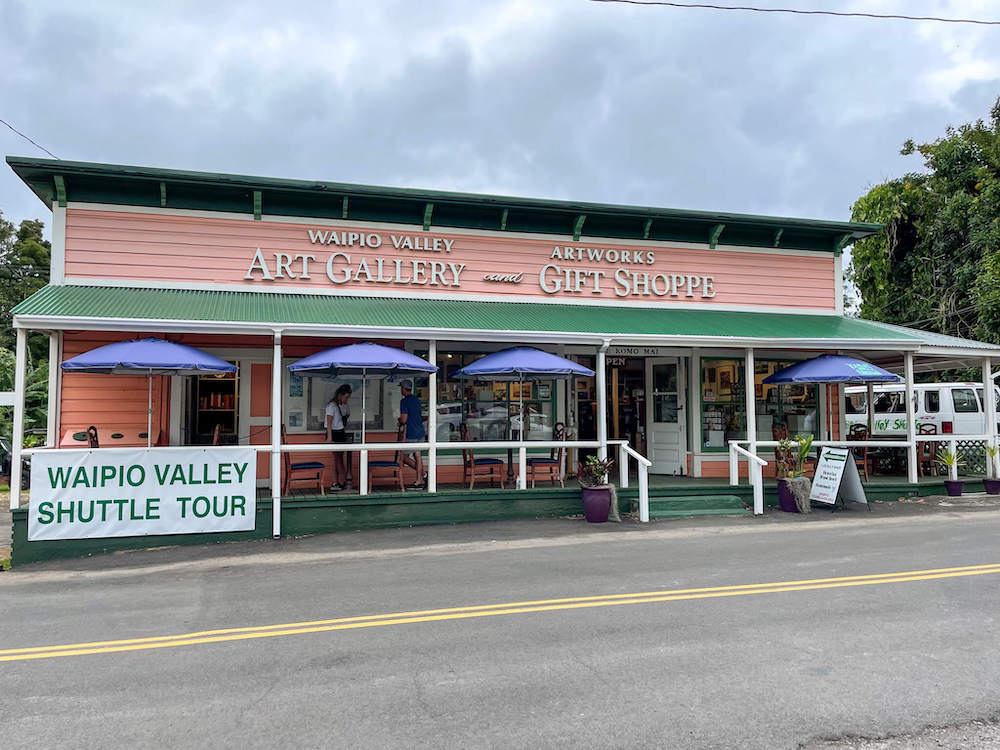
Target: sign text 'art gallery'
[(564, 270), (78, 494)]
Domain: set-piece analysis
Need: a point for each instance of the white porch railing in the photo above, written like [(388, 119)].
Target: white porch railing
[(736, 450), (364, 449)]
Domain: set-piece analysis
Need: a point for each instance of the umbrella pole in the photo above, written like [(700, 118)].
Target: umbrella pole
[(149, 409), (363, 384)]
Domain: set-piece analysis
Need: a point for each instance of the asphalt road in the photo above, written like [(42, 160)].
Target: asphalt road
[(756, 667)]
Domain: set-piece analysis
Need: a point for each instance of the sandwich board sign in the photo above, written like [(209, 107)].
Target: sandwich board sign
[(837, 478)]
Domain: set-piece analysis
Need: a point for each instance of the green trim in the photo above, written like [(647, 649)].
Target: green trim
[(343, 210), (714, 234), (458, 314), (777, 236), (257, 201), (60, 184), (163, 195), (578, 226), (843, 241), (136, 186), (428, 212)]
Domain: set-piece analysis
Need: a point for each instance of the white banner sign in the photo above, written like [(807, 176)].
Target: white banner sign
[(80, 494)]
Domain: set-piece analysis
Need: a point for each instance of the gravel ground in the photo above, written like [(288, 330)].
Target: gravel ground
[(976, 735)]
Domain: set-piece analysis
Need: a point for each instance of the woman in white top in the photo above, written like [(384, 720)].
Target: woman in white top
[(337, 413)]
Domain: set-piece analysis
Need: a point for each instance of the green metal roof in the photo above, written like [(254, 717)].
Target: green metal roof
[(57, 180), (303, 311)]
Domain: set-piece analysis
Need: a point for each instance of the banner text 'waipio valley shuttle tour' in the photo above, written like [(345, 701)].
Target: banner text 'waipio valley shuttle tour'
[(80, 494)]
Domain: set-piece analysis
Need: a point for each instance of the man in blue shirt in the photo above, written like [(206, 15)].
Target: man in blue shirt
[(411, 416)]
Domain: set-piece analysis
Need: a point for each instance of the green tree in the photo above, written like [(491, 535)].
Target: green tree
[(36, 388), (25, 256), (937, 264)]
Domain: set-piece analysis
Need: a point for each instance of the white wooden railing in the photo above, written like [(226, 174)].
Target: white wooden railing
[(736, 450)]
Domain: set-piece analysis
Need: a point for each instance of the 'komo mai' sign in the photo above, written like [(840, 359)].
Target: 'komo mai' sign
[(114, 492)]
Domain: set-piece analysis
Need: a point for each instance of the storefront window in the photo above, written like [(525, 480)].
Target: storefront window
[(723, 403), (306, 398), (490, 407)]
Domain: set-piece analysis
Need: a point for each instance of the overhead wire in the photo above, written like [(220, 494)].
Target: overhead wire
[(29, 140), (802, 12)]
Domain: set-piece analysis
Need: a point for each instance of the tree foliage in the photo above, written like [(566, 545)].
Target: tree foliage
[(937, 264), (36, 388)]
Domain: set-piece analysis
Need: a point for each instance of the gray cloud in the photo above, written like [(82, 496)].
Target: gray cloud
[(569, 99)]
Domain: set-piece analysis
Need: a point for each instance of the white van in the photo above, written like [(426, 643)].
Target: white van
[(952, 407)]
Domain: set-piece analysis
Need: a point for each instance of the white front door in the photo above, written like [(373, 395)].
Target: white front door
[(666, 438)]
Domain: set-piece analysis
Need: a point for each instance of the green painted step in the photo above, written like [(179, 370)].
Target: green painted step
[(696, 505)]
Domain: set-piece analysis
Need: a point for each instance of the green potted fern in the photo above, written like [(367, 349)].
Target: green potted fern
[(950, 461), (790, 457), (593, 477)]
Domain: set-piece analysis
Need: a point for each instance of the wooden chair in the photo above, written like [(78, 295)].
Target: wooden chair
[(395, 466), (860, 432), (551, 467), (493, 469), (92, 440), (927, 452), (302, 471)]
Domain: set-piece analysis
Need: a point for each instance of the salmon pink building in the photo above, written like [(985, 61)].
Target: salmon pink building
[(681, 314)]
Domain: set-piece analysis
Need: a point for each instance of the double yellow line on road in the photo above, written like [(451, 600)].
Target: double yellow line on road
[(482, 610)]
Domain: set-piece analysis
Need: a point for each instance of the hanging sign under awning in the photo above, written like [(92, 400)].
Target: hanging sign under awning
[(114, 492)]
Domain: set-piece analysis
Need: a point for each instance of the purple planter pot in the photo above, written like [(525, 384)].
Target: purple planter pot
[(786, 500), (596, 504), (954, 489), (992, 486)]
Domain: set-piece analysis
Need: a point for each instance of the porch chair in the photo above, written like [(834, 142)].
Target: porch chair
[(551, 466), (927, 452), (92, 440), (493, 469), (301, 471), (860, 432), (395, 466)]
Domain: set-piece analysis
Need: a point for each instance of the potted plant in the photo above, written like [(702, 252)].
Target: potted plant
[(793, 485), (992, 485), (951, 461), (593, 477)]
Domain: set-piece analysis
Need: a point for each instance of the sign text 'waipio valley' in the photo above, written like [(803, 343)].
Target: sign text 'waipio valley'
[(78, 494), (348, 264)]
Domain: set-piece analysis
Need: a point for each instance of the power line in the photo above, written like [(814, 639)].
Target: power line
[(33, 143), (799, 12)]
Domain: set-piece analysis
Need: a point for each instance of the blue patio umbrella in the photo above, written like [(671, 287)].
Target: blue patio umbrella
[(365, 359), (522, 363), (832, 368), (150, 356)]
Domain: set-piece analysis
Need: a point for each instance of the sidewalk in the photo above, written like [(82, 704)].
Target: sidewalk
[(471, 537)]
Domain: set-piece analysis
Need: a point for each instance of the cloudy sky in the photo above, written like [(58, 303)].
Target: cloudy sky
[(758, 113)]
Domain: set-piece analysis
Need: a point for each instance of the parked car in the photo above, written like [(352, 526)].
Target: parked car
[(952, 407)]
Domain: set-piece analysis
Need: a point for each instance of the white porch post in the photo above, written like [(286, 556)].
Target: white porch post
[(602, 400), (432, 413), (17, 436), (756, 477), (276, 422), (990, 407), (911, 420), (52, 423)]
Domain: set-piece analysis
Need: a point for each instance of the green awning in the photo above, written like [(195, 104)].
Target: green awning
[(181, 309)]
